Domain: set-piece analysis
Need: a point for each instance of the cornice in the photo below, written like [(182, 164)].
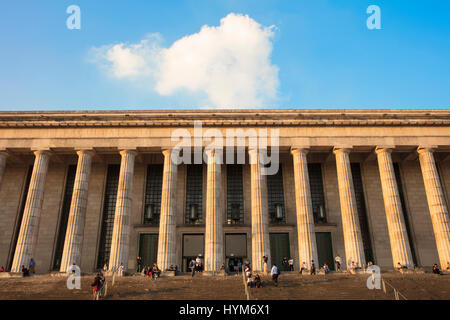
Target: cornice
[(223, 118)]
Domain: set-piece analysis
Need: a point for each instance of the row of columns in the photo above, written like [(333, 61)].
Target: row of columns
[(214, 246)]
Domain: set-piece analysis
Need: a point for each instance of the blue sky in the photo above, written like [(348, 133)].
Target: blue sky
[(324, 53)]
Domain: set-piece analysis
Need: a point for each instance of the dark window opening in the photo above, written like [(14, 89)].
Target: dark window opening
[(317, 195), (109, 208), (71, 172), (276, 197), (153, 192), (405, 213), (362, 213), (194, 194), (235, 202), (19, 218)]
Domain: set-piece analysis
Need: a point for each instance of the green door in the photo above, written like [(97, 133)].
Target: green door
[(148, 248), (324, 249), (279, 248)]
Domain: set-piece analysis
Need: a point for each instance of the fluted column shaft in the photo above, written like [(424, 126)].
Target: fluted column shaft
[(398, 235), (436, 205), (260, 212), (121, 230), (29, 228), (3, 157), (167, 223), (307, 246), (354, 250), (214, 248), (75, 224)]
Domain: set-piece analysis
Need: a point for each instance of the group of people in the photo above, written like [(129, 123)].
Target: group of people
[(152, 272), (98, 285), (437, 270), (288, 265), (196, 265), (26, 272), (253, 281)]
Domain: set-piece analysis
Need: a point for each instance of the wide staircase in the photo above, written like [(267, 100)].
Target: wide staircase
[(203, 287)]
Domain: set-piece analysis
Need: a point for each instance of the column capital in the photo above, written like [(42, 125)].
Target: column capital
[(381, 149), (166, 151), (4, 154), (128, 151), (42, 152), (421, 150), (338, 150), (90, 152), (295, 150)]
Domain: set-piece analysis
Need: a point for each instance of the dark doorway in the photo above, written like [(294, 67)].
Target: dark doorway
[(193, 247), (324, 249), (235, 251), (148, 249), (279, 248)]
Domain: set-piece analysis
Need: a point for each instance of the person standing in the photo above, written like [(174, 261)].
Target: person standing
[(284, 262), (274, 273), (291, 264), (313, 267), (265, 266), (121, 268), (338, 262), (192, 267), (139, 263)]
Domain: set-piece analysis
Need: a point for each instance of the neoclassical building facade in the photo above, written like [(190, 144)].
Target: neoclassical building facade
[(100, 188)]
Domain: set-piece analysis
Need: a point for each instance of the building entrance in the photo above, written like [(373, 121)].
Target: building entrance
[(193, 247), (148, 249), (279, 249), (324, 250), (235, 251)]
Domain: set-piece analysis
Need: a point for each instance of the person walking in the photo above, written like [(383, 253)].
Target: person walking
[(274, 273), (303, 267)]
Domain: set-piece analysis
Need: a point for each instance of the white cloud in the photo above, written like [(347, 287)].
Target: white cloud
[(230, 63)]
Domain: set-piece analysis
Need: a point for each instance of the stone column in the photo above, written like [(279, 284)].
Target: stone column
[(354, 250), (214, 248), (398, 235), (121, 231), (75, 224), (307, 246), (167, 223), (436, 204), (29, 228), (260, 212), (3, 157)]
